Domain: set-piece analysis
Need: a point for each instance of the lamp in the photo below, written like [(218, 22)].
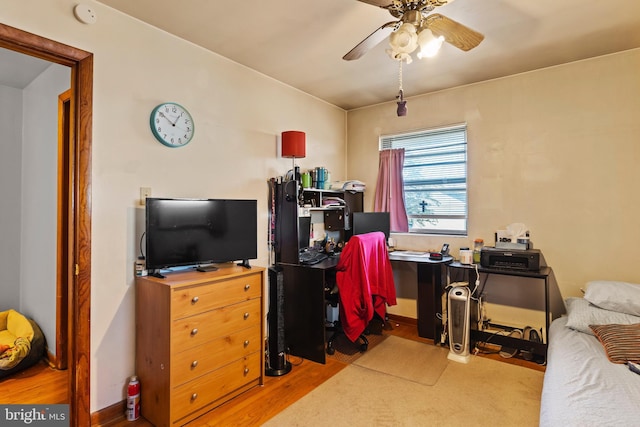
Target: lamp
[(429, 44), (403, 41), (293, 146), (408, 37)]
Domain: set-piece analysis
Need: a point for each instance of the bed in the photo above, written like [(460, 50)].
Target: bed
[(582, 386)]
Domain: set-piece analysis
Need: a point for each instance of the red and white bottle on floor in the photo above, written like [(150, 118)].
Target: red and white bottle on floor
[(133, 399)]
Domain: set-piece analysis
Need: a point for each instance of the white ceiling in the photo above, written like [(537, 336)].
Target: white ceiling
[(301, 42)]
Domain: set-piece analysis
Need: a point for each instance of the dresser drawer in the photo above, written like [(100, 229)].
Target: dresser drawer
[(193, 331), (208, 357), (195, 394), (196, 299)]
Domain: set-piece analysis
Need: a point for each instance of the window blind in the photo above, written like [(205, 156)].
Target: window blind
[(435, 178)]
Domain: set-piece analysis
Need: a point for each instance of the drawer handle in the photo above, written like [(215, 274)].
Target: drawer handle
[(246, 371), (247, 287), (194, 331), (194, 363), (194, 396), (195, 300), (246, 316), (246, 343)]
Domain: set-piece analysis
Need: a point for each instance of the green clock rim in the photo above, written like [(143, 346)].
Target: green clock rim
[(155, 133)]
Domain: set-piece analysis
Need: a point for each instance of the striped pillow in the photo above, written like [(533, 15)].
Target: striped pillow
[(621, 342)]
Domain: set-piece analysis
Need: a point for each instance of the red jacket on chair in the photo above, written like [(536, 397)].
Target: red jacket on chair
[(365, 282)]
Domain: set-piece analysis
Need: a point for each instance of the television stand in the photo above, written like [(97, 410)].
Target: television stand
[(244, 263), (156, 273), (206, 268)]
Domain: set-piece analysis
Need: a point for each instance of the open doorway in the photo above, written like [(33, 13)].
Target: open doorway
[(77, 259)]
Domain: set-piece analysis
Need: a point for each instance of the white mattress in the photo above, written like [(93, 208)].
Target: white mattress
[(582, 388)]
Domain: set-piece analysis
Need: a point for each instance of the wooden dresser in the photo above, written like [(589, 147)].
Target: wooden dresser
[(199, 341)]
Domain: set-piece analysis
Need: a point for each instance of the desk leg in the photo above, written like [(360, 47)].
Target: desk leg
[(429, 300)]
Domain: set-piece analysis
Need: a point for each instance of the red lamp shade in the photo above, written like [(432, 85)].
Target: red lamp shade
[(293, 144)]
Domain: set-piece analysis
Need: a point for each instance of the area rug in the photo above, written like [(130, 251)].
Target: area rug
[(483, 392), (426, 364)]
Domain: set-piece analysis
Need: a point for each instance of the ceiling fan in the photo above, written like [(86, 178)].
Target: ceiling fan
[(416, 27)]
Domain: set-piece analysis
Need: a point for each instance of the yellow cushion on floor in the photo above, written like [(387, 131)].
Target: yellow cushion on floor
[(7, 338), (3, 319), (19, 325), (17, 334)]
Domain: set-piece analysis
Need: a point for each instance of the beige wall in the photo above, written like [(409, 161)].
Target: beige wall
[(239, 115), (557, 149)]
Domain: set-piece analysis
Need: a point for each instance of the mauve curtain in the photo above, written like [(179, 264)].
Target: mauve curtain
[(389, 188)]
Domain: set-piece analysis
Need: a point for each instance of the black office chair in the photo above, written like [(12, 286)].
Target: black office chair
[(332, 298), (365, 287)]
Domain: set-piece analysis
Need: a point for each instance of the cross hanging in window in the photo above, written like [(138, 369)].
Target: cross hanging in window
[(423, 204)]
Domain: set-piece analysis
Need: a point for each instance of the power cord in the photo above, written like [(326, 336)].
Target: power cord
[(298, 363), (477, 350), (141, 251), (477, 280)]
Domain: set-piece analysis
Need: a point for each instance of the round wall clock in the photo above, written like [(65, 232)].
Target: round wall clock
[(172, 124)]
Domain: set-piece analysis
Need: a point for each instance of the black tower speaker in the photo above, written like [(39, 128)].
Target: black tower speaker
[(287, 239), (276, 360)]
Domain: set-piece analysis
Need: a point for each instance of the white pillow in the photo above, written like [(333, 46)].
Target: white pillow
[(581, 314), (622, 297)]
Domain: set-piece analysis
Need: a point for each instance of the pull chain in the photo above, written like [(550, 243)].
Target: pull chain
[(402, 104)]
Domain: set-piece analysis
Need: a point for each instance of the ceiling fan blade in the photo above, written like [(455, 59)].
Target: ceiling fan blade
[(379, 3), (371, 41), (454, 32)]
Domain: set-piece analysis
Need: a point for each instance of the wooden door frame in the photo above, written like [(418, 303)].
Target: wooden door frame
[(65, 265), (81, 64)]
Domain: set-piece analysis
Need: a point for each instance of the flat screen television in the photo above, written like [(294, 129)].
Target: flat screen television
[(199, 232), (366, 222)]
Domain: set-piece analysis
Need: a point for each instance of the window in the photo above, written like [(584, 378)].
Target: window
[(435, 178)]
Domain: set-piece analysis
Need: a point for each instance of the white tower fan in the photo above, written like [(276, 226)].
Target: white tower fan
[(458, 319)]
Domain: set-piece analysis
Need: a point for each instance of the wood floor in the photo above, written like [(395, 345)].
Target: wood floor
[(39, 384), (42, 384)]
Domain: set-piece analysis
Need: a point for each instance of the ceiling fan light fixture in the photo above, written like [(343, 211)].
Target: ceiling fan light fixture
[(414, 17), (429, 44), (404, 39), (400, 57)]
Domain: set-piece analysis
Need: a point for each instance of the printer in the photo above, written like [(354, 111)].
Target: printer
[(511, 259)]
